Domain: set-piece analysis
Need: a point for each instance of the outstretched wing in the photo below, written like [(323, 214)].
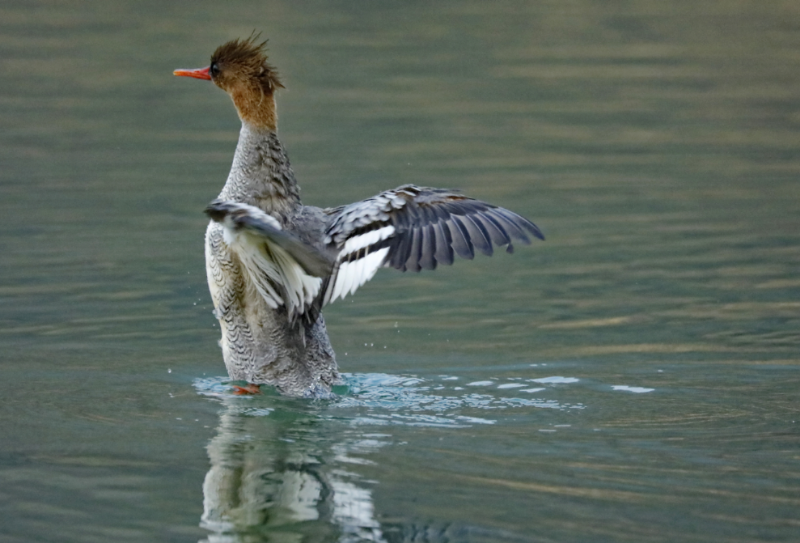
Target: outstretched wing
[(283, 268), (414, 228)]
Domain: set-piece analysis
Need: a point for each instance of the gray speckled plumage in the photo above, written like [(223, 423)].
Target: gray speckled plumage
[(273, 264), (261, 174), (261, 344)]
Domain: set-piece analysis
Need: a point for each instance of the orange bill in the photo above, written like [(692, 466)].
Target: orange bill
[(199, 73)]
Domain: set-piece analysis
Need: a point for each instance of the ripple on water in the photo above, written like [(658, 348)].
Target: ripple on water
[(556, 379), (635, 390), (381, 399)]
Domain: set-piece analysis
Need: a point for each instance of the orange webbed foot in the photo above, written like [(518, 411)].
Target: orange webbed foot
[(249, 389)]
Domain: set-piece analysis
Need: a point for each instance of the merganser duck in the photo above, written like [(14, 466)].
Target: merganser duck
[(273, 263)]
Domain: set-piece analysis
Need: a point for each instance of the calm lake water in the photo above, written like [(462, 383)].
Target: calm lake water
[(633, 378)]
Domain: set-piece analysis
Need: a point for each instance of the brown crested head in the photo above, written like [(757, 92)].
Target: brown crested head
[(244, 62), (240, 68)]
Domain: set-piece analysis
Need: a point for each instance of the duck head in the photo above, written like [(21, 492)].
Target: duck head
[(240, 68)]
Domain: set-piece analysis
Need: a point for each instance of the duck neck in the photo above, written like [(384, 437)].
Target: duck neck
[(261, 174)]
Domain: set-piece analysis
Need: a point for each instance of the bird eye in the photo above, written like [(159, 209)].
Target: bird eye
[(214, 70)]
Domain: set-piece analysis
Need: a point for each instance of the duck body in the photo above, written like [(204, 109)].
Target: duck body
[(272, 263), (260, 344)]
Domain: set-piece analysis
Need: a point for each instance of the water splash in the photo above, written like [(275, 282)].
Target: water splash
[(380, 399)]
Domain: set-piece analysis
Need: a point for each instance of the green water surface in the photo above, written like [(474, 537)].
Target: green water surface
[(633, 378)]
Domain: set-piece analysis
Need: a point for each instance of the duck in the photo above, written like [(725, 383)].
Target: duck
[(273, 263)]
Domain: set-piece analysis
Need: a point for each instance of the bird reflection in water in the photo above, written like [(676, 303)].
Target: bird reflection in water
[(270, 479), (286, 469)]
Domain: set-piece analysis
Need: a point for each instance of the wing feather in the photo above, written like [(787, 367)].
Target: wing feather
[(478, 234), (427, 260), (416, 250), (283, 269), (461, 241), (496, 232), (444, 244), (414, 228)]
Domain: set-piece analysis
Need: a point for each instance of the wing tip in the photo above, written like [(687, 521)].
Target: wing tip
[(216, 210), (535, 230)]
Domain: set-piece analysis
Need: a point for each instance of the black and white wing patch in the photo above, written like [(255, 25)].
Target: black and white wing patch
[(284, 269), (414, 228)]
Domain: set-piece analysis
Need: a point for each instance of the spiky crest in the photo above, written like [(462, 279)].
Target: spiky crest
[(247, 57)]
